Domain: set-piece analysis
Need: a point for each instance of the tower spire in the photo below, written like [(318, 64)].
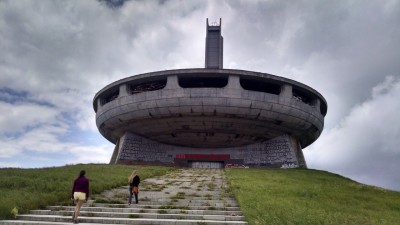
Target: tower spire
[(214, 45)]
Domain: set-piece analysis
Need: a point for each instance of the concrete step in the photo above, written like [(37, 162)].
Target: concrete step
[(160, 214), (191, 200), (170, 206), (178, 202), (145, 210), (141, 221)]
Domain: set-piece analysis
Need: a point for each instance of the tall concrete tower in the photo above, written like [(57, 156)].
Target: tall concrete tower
[(214, 46)]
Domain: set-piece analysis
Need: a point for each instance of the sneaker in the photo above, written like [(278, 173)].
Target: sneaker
[(75, 221)]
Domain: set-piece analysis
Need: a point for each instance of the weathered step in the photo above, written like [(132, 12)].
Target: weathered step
[(171, 206), (189, 200), (178, 202), (141, 221), (139, 210), (160, 214), (147, 208)]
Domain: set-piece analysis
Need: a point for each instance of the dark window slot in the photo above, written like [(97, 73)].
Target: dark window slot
[(300, 96), (110, 97), (147, 86), (203, 82), (260, 86)]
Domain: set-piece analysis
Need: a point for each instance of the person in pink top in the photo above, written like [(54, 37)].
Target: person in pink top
[(80, 193)]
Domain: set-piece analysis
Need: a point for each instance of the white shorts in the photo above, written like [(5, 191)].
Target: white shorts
[(80, 196)]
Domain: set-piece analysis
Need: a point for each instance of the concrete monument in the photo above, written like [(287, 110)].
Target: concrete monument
[(209, 117)]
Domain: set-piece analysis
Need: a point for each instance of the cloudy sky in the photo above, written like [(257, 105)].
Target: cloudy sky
[(55, 55)]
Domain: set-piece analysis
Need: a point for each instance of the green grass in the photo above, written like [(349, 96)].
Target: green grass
[(299, 196), (28, 189)]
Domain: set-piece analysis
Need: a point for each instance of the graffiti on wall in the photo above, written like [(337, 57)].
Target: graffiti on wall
[(275, 151), (136, 148)]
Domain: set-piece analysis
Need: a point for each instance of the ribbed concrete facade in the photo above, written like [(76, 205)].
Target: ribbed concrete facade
[(181, 117)]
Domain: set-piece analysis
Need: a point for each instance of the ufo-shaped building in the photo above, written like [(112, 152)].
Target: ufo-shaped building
[(209, 117)]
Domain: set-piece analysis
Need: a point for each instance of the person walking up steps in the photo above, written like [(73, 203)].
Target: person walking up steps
[(134, 181), (79, 193)]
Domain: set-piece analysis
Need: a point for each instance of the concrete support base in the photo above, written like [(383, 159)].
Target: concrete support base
[(280, 152)]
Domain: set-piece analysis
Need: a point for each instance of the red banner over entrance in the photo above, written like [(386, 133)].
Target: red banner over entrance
[(203, 157)]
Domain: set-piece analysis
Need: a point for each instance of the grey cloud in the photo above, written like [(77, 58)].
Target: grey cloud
[(19, 117), (364, 146)]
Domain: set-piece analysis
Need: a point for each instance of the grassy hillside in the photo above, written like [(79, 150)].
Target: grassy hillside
[(266, 196), (298, 196), (36, 188)]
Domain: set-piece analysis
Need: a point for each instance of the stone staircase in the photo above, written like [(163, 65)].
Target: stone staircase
[(183, 197)]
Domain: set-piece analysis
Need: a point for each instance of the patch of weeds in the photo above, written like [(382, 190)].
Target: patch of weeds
[(142, 211), (194, 195), (103, 200), (147, 207), (145, 199), (166, 192), (120, 195), (211, 208), (162, 211), (167, 207), (67, 214), (14, 212), (179, 195), (133, 216), (211, 186), (169, 183)]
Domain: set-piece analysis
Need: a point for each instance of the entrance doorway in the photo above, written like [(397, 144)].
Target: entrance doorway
[(207, 165)]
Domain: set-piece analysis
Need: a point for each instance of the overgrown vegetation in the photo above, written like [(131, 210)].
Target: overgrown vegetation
[(25, 189), (299, 196)]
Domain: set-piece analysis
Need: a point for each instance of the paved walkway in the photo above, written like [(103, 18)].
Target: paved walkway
[(183, 197)]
